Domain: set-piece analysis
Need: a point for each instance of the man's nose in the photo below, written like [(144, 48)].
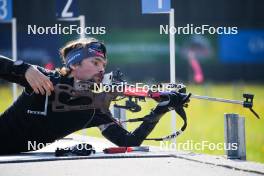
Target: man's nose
[(102, 69)]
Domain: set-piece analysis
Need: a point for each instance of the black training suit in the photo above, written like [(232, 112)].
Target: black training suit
[(18, 127)]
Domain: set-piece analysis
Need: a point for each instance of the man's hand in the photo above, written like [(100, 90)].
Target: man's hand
[(171, 100), (38, 81)]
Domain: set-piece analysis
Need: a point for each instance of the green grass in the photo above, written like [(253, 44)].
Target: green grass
[(205, 119)]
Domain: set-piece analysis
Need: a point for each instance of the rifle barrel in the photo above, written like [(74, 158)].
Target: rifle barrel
[(217, 99)]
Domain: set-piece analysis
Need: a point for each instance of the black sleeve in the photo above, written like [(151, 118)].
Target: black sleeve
[(115, 133), (13, 73)]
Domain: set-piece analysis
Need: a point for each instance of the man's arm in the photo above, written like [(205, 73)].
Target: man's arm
[(13, 73), (24, 74), (121, 137)]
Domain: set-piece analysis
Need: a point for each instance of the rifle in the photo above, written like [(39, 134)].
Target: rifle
[(141, 94), (118, 89)]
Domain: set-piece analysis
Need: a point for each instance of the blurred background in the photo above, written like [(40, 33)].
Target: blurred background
[(135, 45), (220, 65)]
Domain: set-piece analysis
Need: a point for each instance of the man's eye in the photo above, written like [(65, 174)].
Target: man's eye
[(95, 63)]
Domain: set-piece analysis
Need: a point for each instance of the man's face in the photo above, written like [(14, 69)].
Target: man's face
[(90, 69)]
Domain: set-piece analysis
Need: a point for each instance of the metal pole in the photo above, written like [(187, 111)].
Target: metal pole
[(172, 67), (172, 50), (82, 25), (235, 145), (14, 53)]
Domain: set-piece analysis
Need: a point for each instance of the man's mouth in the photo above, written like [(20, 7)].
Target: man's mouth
[(99, 76)]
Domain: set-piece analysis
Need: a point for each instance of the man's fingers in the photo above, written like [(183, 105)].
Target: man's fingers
[(47, 88), (33, 85), (42, 91), (36, 90), (46, 82), (49, 84), (47, 91), (39, 86)]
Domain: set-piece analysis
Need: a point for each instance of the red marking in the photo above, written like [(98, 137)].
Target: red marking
[(49, 66), (132, 91), (115, 150), (155, 95), (129, 149), (97, 53)]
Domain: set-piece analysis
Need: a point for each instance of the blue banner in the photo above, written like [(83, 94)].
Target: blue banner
[(246, 46), (6, 12), (155, 6)]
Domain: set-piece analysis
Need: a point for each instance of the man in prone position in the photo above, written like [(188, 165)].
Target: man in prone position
[(24, 121)]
